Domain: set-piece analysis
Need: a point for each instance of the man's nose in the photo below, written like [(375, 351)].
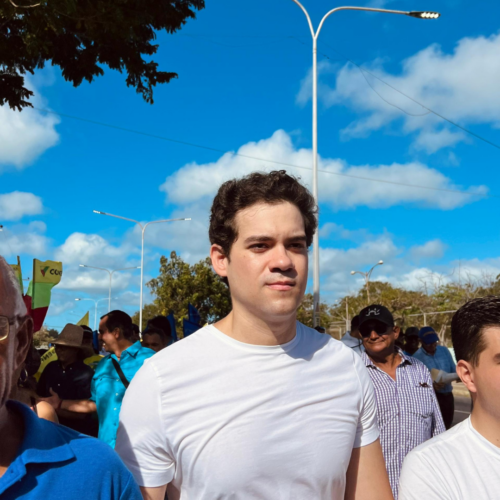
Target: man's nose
[(281, 259)]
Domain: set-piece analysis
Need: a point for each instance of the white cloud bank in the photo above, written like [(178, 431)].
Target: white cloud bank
[(24, 239), (199, 182), (16, 205), (463, 86)]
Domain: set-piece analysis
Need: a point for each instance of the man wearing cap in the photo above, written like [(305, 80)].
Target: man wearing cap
[(412, 341), (407, 410), (353, 338), (70, 378), (438, 357)]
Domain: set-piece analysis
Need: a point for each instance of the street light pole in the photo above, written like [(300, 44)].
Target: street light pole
[(110, 272), (95, 313), (143, 229), (367, 278), (315, 35)]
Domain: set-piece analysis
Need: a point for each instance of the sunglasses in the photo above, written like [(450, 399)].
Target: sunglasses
[(378, 328), (4, 328)]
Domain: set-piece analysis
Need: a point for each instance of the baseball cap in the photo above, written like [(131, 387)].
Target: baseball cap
[(428, 335), (376, 312), (412, 331)]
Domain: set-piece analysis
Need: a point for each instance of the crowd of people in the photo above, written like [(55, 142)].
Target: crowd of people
[(256, 405)]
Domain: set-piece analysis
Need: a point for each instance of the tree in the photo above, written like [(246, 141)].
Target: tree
[(53, 333), (42, 337), (80, 36), (180, 284)]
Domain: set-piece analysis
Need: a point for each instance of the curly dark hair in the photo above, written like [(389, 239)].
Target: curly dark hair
[(468, 324), (238, 194)]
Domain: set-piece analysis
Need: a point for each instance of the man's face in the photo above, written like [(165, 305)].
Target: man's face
[(378, 338), (66, 354), (486, 375), (14, 348), (153, 341), (267, 268), (411, 344), (430, 348), (109, 339)]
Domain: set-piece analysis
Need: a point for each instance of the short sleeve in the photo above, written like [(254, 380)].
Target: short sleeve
[(367, 431), (141, 439), (420, 480)]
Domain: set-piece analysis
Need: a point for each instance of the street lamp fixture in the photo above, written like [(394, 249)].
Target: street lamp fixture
[(367, 278), (95, 313), (143, 229), (315, 35), (110, 272)]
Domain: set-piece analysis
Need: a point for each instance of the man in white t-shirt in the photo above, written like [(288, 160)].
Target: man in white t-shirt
[(256, 406), (464, 462), (353, 338)]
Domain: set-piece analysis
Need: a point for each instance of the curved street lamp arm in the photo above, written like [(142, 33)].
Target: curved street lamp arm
[(164, 220), (93, 267), (307, 16), (117, 217), (401, 12)]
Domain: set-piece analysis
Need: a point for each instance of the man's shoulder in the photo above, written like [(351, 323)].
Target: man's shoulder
[(440, 444)]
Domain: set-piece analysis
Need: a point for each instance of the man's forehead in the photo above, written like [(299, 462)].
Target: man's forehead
[(269, 218)]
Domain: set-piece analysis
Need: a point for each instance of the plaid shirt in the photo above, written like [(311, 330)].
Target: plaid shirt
[(407, 411)]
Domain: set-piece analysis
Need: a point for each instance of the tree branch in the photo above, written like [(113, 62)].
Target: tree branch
[(24, 6)]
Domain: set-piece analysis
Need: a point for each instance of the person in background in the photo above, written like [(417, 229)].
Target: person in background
[(70, 378), (90, 355), (464, 462), (155, 338), (412, 341), (257, 405), (438, 357), (136, 334), (112, 376), (353, 338), (407, 410), (39, 459), (163, 324), (24, 387), (320, 329)]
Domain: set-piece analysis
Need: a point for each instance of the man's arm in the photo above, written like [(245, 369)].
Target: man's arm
[(76, 405), (366, 477), (157, 493)]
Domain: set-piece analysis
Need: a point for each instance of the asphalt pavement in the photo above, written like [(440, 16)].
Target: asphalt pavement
[(462, 409)]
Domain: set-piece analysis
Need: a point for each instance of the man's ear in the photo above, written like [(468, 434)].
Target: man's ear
[(219, 260), (466, 373), (24, 338)]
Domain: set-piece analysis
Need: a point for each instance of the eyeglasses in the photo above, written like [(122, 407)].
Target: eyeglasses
[(4, 328), (378, 328)]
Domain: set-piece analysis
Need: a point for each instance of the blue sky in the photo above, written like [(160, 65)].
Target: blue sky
[(244, 86)]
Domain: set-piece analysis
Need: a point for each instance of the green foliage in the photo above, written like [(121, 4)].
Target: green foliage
[(80, 36), (53, 333), (180, 284)]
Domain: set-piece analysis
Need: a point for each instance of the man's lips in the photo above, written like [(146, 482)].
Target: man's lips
[(281, 285)]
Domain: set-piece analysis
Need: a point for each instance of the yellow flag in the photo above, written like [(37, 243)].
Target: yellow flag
[(19, 275), (47, 358), (85, 320), (47, 272)]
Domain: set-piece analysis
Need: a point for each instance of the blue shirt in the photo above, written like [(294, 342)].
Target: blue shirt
[(108, 390), (441, 360), (408, 413), (56, 463)]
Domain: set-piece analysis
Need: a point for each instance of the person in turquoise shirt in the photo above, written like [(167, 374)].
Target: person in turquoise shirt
[(112, 374)]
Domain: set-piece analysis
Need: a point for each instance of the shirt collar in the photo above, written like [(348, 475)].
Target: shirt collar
[(42, 442), (133, 350), (405, 360)]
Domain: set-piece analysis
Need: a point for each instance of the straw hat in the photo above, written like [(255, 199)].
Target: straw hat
[(71, 336)]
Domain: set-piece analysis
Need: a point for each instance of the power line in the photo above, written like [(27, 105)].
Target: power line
[(216, 150)]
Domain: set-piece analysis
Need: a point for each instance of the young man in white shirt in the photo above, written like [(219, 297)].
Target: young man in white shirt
[(256, 406), (464, 462)]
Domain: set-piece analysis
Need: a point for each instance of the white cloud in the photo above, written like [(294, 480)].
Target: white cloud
[(463, 86), (199, 183), (24, 239), (27, 134), (431, 249), (16, 205)]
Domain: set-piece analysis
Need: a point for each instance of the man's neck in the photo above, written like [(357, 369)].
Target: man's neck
[(11, 437), (486, 424), (246, 327), (121, 345), (67, 363), (387, 360)]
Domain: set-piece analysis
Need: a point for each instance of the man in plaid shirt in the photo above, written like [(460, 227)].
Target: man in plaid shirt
[(407, 409)]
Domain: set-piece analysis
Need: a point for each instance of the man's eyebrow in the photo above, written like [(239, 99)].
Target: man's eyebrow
[(257, 239)]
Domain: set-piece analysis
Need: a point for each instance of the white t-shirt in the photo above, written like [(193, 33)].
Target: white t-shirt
[(221, 419), (352, 342), (459, 464)]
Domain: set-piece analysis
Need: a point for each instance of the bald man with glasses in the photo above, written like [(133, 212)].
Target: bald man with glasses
[(39, 459)]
